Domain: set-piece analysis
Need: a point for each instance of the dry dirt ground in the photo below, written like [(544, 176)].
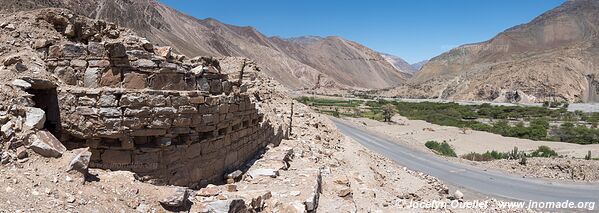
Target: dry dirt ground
[(416, 133)]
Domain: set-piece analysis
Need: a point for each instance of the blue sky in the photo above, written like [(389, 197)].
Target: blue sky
[(414, 30)]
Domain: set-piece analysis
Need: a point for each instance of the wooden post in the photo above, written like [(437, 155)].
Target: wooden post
[(291, 119)]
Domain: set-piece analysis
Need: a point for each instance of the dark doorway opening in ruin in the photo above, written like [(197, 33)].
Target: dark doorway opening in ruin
[(47, 100)]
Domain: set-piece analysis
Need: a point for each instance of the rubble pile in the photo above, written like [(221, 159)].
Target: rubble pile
[(136, 106)]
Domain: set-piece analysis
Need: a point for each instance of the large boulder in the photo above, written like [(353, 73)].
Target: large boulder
[(45, 144), (80, 161), (177, 199), (226, 206), (35, 118)]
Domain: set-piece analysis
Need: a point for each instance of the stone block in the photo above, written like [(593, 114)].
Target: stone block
[(166, 111), (132, 100), (107, 100), (139, 54), (73, 50), (142, 112), (158, 100), (86, 101), (182, 122), (45, 144), (67, 74), (161, 123), (144, 63), (203, 84), (110, 112), (34, 118), (96, 49), (91, 78), (86, 111), (197, 100), (216, 87), (116, 50), (78, 63), (167, 81), (163, 51), (133, 80), (187, 110), (99, 63), (116, 158)]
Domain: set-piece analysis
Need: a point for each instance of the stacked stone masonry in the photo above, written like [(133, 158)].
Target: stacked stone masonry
[(145, 109)]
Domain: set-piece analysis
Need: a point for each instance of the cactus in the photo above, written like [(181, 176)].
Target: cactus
[(588, 156), (514, 154)]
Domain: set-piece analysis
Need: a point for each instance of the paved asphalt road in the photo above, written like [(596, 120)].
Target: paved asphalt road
[(492, 183)]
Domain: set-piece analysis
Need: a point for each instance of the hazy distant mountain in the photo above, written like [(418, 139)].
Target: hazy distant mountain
[(399, 63), (301, 63), (556, 55), (419, 65)]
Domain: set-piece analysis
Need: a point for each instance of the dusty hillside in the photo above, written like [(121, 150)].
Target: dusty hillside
[(351, 63), (294, 65), (400, 64), (555, 55)]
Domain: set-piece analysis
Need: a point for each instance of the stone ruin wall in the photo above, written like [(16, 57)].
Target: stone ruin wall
[(147, 110)]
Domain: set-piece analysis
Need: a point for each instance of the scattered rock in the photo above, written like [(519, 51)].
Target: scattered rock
[(146, 44), (13, 59), (233, 205), (236, 175), (231, 187), (80, 161), (10, 27), (7, 129), (143, 208), (177, 199), (70, 30), (209, 191), (293, 207), (21, 67), (344, 192), (45, 144), (163, 51), (263, 172), (22, 152), (342, 181), (35, 118), (458, 195), (21, 84)]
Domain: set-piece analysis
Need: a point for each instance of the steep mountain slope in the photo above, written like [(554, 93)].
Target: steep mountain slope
[(351, 63), (399, 63), (419, 65), (281, 59), (555, 56)]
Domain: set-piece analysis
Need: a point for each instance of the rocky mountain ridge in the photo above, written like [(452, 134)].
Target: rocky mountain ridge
[(554, 57), (329, 63), (400, 64)]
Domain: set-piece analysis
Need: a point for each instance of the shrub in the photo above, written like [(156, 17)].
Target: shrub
[(543, 151), (441, 148), (336, 113), (477, 157), (487, 156)]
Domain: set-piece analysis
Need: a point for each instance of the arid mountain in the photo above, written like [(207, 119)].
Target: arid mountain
[(351, 63), (555, 56), (330, 62), (419, 65), (399, 63)]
